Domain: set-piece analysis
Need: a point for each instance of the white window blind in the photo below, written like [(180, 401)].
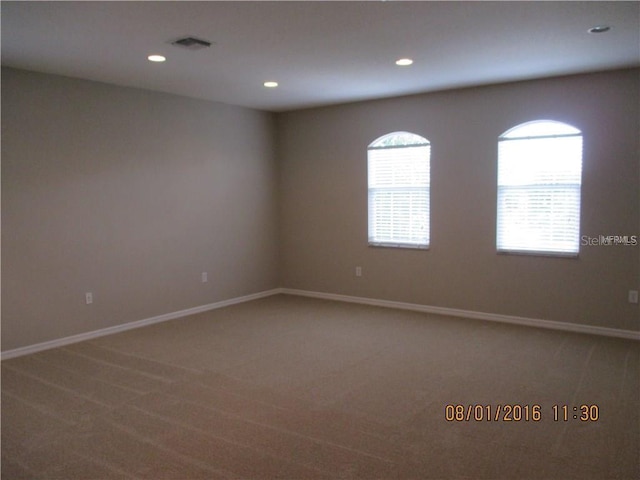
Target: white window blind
[(539, 180), (399, 178)]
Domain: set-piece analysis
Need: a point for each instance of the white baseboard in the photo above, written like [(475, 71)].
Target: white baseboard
[(493, 317), (18, 352)]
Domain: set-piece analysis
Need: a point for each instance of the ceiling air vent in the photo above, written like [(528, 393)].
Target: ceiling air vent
[(191, 43)]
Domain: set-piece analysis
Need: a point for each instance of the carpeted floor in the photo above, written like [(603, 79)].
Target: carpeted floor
[(298, 388)]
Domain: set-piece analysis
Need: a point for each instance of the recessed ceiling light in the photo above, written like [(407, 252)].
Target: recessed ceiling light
[(270, 84), (403, 62), (599, 29), (156, 58)]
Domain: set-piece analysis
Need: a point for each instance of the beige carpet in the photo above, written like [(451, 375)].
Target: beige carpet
[(297, 388)]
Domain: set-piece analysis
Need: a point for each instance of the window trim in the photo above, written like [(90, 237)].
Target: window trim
[(374, 146), (504, 137)]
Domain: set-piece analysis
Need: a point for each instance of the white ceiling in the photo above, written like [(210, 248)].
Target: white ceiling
[(320, 52)]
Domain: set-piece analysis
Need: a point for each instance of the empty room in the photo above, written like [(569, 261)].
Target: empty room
[(320, 240)]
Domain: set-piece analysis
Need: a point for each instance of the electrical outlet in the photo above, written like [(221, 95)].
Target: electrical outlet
[(204, 277), (88, 298), (358, 271), (633, 296)]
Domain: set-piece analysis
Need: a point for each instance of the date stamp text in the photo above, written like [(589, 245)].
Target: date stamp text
[(520, 413)]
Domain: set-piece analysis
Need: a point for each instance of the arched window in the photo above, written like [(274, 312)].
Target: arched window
[(539, 179), (399, 178)]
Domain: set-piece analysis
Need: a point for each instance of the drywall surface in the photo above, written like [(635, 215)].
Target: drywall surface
[(323, 165), (130, 195)]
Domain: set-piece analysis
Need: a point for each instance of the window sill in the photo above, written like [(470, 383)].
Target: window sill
[(532, 253), (399, 245)]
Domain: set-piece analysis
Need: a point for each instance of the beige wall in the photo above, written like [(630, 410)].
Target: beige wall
[(322, 154), (131, 195)]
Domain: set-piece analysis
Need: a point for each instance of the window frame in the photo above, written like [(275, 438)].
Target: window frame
[(571, 200), (395, 191)]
